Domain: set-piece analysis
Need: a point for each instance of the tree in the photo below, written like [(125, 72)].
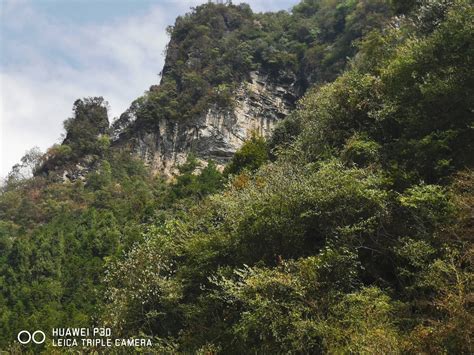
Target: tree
[(252, 154), (89, 123)]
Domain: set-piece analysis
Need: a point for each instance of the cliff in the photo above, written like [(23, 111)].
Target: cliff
[(258, 104), (210, 98), (228, 72)]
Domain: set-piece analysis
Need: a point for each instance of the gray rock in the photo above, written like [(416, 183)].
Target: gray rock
[(258, 105)]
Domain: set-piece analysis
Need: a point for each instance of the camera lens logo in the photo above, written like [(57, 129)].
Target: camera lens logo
[(25, 337)]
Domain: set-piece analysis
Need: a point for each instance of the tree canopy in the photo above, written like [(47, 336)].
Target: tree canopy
[(348, 231)]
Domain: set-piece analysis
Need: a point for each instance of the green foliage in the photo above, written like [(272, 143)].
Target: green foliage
[(57, 155), (361, 151), (49, 231), (413, 101), (86, 138), (216, 47), (289, 211), (84, 130), (428, 204), (452, 326), (284, 134), (355, 238), (190, 183), (252, 154), (155, 296), (338, 245), (363, 322)]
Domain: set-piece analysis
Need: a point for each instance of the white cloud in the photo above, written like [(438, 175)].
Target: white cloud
[(116, 60), (51, 63)]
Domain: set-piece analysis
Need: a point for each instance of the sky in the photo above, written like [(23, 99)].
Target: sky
[(53, 52)]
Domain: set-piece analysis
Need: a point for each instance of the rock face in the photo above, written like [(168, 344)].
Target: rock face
[(258, 105)]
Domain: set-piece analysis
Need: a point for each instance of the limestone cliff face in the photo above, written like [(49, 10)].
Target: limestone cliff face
[(259, 104)]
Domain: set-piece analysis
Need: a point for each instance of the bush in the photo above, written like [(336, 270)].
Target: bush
[(252, 154), (361, 151)]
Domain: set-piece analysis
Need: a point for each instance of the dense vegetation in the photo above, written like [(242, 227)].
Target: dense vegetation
[(350, 230), (214, 48)]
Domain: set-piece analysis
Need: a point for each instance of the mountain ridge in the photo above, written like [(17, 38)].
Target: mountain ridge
[(348, 230)]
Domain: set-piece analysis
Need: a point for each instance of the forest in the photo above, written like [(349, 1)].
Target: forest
[(349, 230)]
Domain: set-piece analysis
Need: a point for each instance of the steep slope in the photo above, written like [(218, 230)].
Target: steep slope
[(357, 238), (258, 104), (294, 253), (230, 73)]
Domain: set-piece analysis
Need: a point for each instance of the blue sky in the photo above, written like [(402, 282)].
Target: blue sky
[(55, 51)]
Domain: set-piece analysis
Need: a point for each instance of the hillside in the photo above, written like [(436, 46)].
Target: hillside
[(321, 198), (230, 73)]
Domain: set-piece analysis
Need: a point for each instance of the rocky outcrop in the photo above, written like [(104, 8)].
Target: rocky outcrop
[(259, 104)]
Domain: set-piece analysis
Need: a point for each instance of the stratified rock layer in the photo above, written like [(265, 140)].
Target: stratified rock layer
[(258, 105)]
